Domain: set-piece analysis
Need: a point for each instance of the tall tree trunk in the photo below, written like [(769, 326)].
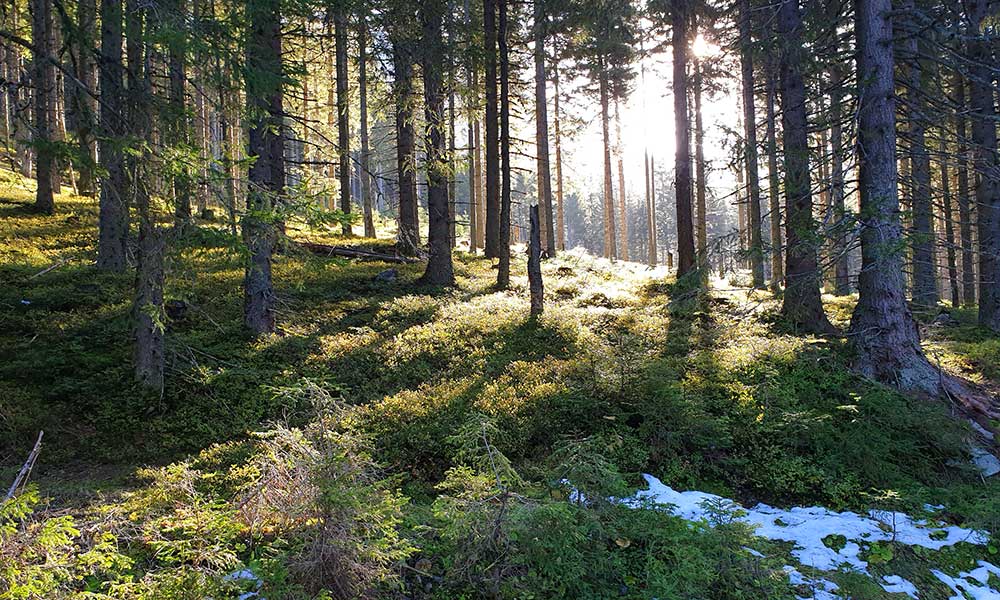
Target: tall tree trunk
[(343, 114), (623, 243), (452, 170), (113, 219), (548, 240), (147, 307), (610, 238), (492, 246), (41, 38), (773, 180), (409, 230), (439, 266), (650, 213), (984, 139), (537, 290), (84, 105), (842, 284), (924, 272), (178, 126), (652, 206), (882, 328), (366, 182), (964, 205), (949, 228), (503, 270), (560, 208), (682, 158), (802, 304), (701, 186), (472, 82), (750, 146), (266, 176)]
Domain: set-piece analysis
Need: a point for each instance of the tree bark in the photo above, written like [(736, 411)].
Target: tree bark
[(178, 125), (44, 76), (266, 176), (439, 266), (773, 189), (882, 329), (949, 228), (682, 158), (750, 146), (408, 239), (492, 141), (964, 206), (922, 238), (802, 304), (650, 213), (503, 270), (147, 308), (366, 182), (113, 219), (623, 243), (535, 286), (701, 187), (842, 284), (984, 139), (343, 114), (84, 105), (610, 238), (560, 208), (542, 135)]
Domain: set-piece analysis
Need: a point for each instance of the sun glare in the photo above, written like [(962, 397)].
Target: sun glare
[(703, 48)]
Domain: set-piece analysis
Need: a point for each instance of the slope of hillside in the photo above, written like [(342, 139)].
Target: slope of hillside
[(400, 441)]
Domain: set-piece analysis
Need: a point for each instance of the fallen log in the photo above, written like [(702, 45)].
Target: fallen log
[(357, 253)]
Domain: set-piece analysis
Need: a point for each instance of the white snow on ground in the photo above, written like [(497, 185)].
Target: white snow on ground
[(807, 526), (894, 584), (821, 588)]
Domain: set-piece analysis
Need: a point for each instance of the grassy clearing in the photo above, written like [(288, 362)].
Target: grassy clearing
[(437, 424)]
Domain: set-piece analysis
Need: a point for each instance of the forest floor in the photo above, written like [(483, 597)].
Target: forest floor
[(462, 449)]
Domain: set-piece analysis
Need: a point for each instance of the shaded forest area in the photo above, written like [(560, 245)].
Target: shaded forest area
[(358, 299)]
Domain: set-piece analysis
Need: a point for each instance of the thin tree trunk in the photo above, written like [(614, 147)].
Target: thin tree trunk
[(964, 208), (409, 230), (682, 158), (650, 214), (147, 307), (492, 204), (924, 279), (542, 135), (343, 114), (366, 183), (452, 171), (266, 176), (41, 36), (655, 241), (750, 146), (777, 261), (949, 229), (560, 208), (178, 126), (113, 219), (439, 266), (503, 270), (842, 284), (84, 105), (984, 139), (610, 238), (701, 187), (537, 290), (623, 244), (802, 304)]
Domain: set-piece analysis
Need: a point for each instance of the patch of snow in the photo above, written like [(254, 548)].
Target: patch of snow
[(753, 552), (807, 526), (821, 589), (246, 575), (971, 586), (894, 584)]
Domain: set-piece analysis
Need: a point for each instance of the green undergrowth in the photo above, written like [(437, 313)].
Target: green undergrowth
[(435, 425)]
